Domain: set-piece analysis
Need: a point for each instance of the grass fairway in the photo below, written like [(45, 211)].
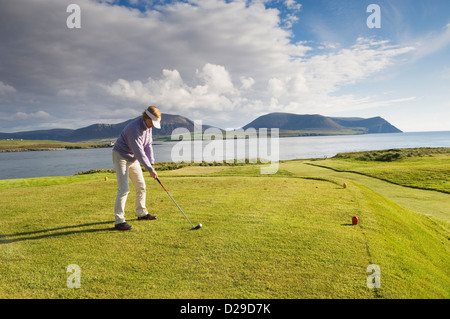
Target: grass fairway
[(287, 235), (422, 168)]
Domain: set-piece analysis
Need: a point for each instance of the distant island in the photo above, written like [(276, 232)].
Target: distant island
[(289, 125), (315, 124)]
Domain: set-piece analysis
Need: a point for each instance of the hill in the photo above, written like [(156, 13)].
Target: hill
[(101, 131), (322, 124), (289, 124), (373, 125)]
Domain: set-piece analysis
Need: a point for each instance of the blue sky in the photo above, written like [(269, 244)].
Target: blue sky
[(223, 62)]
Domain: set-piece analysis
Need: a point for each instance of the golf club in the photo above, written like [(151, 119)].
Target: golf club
[(193, 227)]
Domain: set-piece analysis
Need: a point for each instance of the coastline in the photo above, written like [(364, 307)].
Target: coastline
[(47, 145)]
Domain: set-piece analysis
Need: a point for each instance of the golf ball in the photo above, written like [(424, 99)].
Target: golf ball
[(200, 225)]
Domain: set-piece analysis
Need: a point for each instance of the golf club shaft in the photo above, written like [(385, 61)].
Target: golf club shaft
[(175, 202)]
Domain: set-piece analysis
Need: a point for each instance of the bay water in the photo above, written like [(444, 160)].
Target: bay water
[(69, 162)]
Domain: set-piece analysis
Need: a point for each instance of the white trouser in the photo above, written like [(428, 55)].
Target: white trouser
[(125, 169)]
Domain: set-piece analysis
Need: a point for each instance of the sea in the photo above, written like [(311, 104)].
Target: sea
[(69, 162)]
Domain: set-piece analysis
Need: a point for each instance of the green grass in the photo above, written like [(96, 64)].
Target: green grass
[(418, 168), (287, 235), (430, 203)]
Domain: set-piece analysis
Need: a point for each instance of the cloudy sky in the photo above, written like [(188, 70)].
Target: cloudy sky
[(223, 62)]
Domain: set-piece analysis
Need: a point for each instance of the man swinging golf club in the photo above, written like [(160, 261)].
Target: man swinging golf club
[(132, 149)]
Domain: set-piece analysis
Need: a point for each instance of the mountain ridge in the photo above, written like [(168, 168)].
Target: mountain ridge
[(283, 121), (321, 123)]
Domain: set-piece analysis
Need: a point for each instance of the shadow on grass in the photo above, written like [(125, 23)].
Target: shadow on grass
[(32, 235)]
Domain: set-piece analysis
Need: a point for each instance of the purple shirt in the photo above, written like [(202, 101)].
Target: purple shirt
[(135, 143)]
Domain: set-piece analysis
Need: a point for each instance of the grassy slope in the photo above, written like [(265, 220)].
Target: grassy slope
[(396, 238), (279, 236), (430, 203), (419, 168)]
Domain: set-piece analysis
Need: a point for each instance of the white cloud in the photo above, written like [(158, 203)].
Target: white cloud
[(291, 16), (244, 51), (247, 82), (293, 5), (326, 73), (276, 87), (6, 89), (432, 43), (291, 86), (305, 85), (214, 90), (216, 78), (290, 20), (312, 84)]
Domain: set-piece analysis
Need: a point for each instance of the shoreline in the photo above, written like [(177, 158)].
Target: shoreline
[(50, 149), (362, 156)]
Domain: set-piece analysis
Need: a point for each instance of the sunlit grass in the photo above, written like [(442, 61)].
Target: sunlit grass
[(264, 236)]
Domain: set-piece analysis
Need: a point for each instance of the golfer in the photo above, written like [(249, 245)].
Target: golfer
[(132, 149)]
